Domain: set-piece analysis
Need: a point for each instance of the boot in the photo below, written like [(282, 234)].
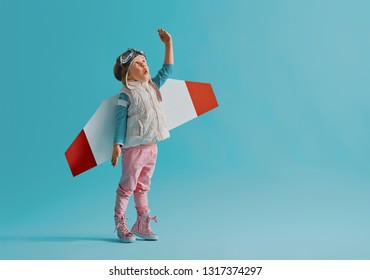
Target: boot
[(142, 226), (123, 233)]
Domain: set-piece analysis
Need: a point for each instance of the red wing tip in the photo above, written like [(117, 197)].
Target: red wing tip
[(79, 155), (203, 96)]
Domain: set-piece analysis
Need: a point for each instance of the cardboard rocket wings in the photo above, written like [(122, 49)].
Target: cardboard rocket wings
[(182, 102)]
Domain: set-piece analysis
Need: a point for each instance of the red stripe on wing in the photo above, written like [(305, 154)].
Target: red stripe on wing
[(202, 96), (79, 155)]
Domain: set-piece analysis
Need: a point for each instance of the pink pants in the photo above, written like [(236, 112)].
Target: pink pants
[(138, 165)]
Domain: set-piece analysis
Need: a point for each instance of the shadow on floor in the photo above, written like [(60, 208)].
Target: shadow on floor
[(56, 239)]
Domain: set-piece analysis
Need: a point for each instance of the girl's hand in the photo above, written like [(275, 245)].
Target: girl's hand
[(167, 40), (115, 154), (165, 37)]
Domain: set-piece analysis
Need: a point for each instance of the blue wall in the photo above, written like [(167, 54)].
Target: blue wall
[(280, 170)]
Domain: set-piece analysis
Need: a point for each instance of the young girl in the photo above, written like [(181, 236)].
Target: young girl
[(140, 123)]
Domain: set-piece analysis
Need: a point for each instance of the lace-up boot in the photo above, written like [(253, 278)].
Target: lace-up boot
[(123, 233), (142, 226)]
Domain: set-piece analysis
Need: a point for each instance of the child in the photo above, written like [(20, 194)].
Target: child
[(140, 123)]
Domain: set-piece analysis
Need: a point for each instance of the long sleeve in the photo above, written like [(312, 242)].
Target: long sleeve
[(163, 74), (121, 119)]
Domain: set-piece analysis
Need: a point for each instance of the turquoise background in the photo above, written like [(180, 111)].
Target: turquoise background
[(280, 170)]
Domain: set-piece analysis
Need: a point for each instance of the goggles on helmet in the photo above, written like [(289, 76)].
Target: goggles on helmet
[(126, 58)]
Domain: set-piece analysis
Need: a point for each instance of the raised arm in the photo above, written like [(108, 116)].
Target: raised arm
[(167, 40)]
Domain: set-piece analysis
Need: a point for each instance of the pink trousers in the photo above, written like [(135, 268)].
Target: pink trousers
[(138, 165)]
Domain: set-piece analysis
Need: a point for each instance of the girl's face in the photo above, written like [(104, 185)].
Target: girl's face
[(139, 70)]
